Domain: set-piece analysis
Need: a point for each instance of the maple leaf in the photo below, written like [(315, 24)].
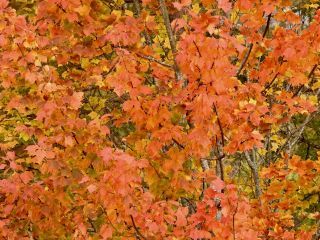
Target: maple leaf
[(46, 111), (245, 4), (181, 217), (75, 100), (200, 234), (218, 184), (107, 154), (134, 147), (68, 141), (92, 188), (26, 177), (289, 53), (225, 5), (3, 4), (39, 153), (106, 232), (3, 40), (83, 10), (182, 4)]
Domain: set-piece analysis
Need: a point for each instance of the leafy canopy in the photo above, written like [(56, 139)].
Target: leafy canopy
[(159, 119)]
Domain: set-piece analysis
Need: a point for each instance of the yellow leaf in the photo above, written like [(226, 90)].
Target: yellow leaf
[(262, 151), (234, 16), (107, 49), (166, 43), (316, 85), (37, 63), (259, 54), (253, 101), (117, 13), (128, 13), (313, 99), (288, 73), (93, 115), (83, 10), (196, 8), (85, 63)]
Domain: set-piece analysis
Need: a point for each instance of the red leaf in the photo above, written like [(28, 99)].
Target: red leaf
[(106, 232), (184, 3), (225, 5), (3, 4), (218, 184), (200, 234), (181, 217), (75, 100), (106, 154), (26, 177), (92, 188)]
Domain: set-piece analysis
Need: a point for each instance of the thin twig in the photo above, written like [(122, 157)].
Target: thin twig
[(220, 156), (267, 26), (244, 61), (309, 76), (198, 50), (220, 125), (179, 144), (154, 60), (233, 221), (294, 137), (136, 229), (104, 74), (270, 83)]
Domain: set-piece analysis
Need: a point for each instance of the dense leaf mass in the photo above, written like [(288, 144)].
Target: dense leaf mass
[(154, 119)]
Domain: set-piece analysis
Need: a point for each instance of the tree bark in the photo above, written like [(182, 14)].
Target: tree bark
[(172, 40)]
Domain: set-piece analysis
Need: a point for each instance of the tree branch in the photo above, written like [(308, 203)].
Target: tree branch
[(205, 164), (136, 229), (172, 40), (270, 83), (267, 26), (220, 125), (316, 235), (233, 221), (244, 61), (255, 172), (309, 76), (155, 60), (137, 6), (294, 137)]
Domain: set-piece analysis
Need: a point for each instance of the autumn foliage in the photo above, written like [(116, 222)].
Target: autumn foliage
[(159, 119)]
